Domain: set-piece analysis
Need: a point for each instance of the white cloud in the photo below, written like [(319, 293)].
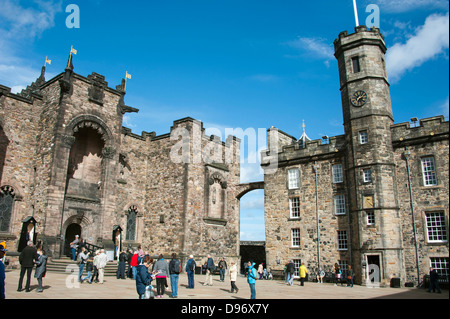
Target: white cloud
[(430, 40), (19, 26), (317, 47), (444, 108)]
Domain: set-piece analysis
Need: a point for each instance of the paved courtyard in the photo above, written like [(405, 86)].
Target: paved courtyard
[(62, 286)]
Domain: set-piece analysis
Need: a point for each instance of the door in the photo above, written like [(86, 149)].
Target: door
[(374, 270), (71, 231)]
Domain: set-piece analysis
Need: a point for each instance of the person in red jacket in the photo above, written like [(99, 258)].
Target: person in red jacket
[(134, 263)]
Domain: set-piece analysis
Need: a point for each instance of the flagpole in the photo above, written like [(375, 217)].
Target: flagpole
[(356, 13)]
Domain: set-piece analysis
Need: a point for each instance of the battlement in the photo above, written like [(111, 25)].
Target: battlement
[(430, 128), (362, 36)]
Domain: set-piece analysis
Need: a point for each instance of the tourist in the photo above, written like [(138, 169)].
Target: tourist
[(190, 270), (74, 247), (143, 277), (89, 269), (26, 260), (210, 267), (222, 269), (161, 271), (233, 277), (251, 279), (174, 270), (434, 281), (82, 258), (3, 250), (134, 263), (95, 263), (41, 268), (101, 264), (290, 270), (121, 265), (320, 276), (350, 277), (303, 271), (261, 271), (337, 274), (129, 269)]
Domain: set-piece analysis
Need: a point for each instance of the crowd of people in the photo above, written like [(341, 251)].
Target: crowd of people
[(340, 276)]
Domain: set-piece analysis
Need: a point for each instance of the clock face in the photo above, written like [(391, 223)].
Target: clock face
[(359, 98)]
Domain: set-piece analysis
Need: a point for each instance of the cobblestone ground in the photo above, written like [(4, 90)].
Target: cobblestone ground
[(62, 286)]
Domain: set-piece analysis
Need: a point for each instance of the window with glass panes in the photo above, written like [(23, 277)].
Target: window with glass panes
[(295, 237), (294, 207), (429, 171), (293, 178), (338, 176), (339, 205), (363, 137), (436, 229), (342, 240), (370, 218), (441, 266), (367, 173)]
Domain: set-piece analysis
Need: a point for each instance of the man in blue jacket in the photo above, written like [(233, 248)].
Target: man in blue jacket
[(190, 269), (251, 279)]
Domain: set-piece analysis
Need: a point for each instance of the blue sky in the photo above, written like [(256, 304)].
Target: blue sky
[(231, 64)]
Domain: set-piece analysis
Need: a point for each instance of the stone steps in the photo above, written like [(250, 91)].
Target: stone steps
[(60, 266)]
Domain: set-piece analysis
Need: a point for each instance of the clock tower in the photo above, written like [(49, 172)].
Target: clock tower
[(376, 233)]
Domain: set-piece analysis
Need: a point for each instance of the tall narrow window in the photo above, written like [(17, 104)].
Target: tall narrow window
[(429, 171), (131, 223), (338, 176), (436, 229), (356, 65), (295, 237), (293, 178), (370, 218), (6, 206), (339, 205), (342, 240), (294, 207)]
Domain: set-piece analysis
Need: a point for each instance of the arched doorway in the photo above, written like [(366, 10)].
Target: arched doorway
[(71, 231)]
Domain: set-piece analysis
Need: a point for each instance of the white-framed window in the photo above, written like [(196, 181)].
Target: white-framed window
[(293, 178), (338, 176), (339, 205), (367, 175), (342, 240), (294, 207), (441, 266), (436, 229), (295, 237), (363, 137), (429, 171), (370, 218), (297, 264)]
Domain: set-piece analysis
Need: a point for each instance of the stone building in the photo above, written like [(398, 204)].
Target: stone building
[(68, 167), (375, 198)]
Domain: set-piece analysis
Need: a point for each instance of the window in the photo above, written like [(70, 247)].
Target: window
[(429, 171), (367, 175), (6, 206), (338, 176), (370, 218), (339, 205), (293, 178), (363, 137), (297, 264), (295, 235), (294, 207), (342, 240), (131, 223), (441, 266), (436, 230), (356, 65)]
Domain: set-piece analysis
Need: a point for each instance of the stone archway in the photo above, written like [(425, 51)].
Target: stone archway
[(248, 187), (71, 231)]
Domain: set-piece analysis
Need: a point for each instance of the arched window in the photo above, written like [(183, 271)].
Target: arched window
[(131, 223), (6, 205)]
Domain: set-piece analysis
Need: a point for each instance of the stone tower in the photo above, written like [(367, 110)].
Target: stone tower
[(370, 166)]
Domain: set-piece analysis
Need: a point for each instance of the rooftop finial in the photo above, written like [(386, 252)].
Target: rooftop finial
[(304, 138)]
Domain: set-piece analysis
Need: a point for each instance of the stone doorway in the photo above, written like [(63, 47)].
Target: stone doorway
[(71, 231)]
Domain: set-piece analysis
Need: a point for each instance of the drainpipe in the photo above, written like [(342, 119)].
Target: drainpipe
[(406, 155), (316, 168)]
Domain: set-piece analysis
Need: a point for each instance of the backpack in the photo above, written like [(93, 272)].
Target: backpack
[(192, 265), (176, 266)]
